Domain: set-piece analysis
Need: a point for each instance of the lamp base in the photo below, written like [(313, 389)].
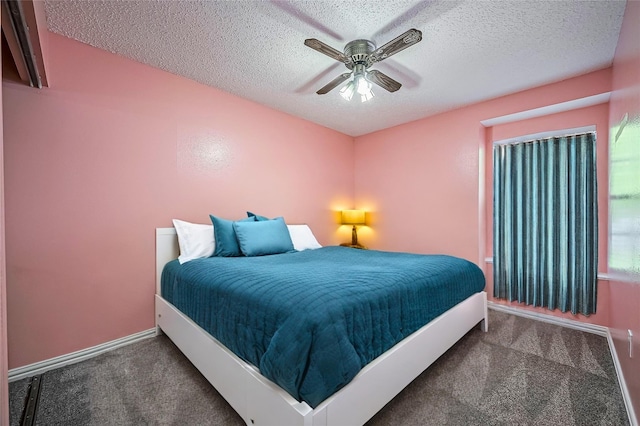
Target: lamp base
[(357, 246)]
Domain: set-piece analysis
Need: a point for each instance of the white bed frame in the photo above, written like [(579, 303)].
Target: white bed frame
[(259, 401)]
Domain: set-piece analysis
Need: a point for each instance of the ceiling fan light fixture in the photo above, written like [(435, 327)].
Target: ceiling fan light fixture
[(362, 84), (364, 97), (363, 87), (348, 90)]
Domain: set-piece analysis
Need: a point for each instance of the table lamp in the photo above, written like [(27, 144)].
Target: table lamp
[(353, 217)]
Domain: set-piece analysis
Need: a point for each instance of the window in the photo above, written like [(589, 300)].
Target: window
[(624, 199)]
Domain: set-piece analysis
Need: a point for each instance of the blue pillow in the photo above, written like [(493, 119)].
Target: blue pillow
[(257, 217), (263, 237), (225, 237)]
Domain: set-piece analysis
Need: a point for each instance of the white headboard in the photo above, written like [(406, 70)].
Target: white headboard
[(167, 249)]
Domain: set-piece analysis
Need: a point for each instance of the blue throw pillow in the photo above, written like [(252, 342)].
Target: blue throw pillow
[(257, 217), (263, 237), (225, 237)]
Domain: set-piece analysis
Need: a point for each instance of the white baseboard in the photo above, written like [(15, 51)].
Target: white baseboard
[(589, 328), (81, 355), (563, 322), (633, 420)]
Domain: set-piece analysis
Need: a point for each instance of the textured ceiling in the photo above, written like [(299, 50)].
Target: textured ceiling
[(471, 50)]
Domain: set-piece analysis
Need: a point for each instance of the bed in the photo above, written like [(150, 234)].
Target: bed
[(366, 386)]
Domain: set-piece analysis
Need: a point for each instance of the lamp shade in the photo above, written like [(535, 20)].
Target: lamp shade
[(353, 217)]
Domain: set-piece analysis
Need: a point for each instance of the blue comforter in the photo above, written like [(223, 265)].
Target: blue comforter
[(311, 320)]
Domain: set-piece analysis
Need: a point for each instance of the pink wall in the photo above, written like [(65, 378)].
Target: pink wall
[(4, 386), (596, 115), (625, 296), (419, 181), (115, 149)]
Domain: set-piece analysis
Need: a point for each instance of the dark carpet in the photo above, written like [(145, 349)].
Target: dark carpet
[(522, 372)]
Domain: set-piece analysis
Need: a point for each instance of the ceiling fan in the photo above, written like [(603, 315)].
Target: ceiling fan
[(358, 56)]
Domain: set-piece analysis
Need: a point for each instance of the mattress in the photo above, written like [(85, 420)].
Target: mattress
[(311, 320)]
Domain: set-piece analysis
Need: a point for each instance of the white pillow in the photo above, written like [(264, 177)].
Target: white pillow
[(302, 237), (195, 240)]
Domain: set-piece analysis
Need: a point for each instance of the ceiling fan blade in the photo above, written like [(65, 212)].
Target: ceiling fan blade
[(410, 78), (396, 45), (334, 83), (310, 85), (383, 80), (326, 49)]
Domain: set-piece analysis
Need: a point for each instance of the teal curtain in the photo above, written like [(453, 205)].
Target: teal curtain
[(545, 223)]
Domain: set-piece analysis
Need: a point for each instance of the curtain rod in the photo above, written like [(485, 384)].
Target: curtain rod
[(546, 135)]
